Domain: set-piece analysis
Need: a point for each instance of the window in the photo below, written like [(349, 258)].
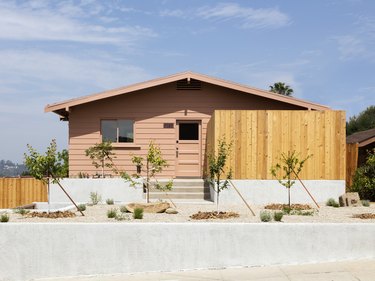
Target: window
[(118, 130), (188, 131)]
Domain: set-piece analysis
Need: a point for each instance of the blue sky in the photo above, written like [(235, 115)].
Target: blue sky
[(57, 50)]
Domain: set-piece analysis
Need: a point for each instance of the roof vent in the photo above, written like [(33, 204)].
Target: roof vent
[(191, 84)]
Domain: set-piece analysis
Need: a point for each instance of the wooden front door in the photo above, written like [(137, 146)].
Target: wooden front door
[(188, 149)]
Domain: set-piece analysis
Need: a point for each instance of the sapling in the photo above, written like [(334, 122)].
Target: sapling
[(291, 166), (217, 164)]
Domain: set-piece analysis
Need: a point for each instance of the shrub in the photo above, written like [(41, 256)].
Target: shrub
[(287, 210), (4, 218), (21, 211), (109, 201), (364, 178), (265, 216), (123, 209), (332, 203), (95, 198), (365, 203), (111, 213), (122, 217), (277, 216), (81, 207), (138, 213)]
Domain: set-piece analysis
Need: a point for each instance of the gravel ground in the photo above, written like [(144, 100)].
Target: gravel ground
[(98, 213)]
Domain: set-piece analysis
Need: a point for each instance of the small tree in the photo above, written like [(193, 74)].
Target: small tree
[(217, 164), (52, 164), (291, 166), (101, 155), (364, 178), (154, 165)]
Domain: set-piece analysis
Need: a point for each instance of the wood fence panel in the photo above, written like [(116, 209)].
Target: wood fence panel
[(259, 137), (351, 162), (16, 192)]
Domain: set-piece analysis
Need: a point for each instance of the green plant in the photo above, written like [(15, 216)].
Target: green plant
[(364, 178), (138, 213), (287, 210), (109, 201), (95, 198), (291, 167), (111, 213), (365, 120), (302, 213), (216, 165), (281, 89), (332, 202), (277, 216), (123, 209), (155, 163), (365, 203), (82, 207), (101, 155), (265, 216), (21, 211), (122, 217), (4, 218)]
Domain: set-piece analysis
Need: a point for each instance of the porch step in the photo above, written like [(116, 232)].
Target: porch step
[(184, 190)]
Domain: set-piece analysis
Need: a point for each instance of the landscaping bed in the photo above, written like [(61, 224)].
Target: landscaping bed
[(98, 213)]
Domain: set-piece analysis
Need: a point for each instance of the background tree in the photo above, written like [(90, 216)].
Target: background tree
[(101, 155), (282, 89), (217, 163), (364, 121)]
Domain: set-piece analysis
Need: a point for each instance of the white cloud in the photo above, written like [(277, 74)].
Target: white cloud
[(40, 22), (349, 47), (249, 17)]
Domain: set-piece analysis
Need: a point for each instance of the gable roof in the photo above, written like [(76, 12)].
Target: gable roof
[(362, 138), (62, 108)]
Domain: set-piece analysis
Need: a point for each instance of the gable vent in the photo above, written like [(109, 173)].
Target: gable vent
[(184, 84)]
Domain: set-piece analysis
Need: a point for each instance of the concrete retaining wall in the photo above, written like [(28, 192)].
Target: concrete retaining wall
[(261, 192), (80, 189), (56, 249)]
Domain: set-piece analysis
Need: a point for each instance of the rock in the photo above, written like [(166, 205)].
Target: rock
[(350, 199), (158, 207), (171, 211)]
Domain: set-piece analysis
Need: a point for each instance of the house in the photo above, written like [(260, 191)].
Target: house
[(173, 111), (358, 144)]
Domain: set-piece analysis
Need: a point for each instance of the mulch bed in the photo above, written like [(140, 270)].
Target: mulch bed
[(214, 215), (366, 216), (52, 215), (280, 207)]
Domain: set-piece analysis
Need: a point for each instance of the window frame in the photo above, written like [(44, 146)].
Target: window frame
[(117, 130)]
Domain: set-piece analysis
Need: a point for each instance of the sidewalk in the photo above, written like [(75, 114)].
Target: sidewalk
[(334, 271)]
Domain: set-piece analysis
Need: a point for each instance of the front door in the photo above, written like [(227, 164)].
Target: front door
[(188, 149)]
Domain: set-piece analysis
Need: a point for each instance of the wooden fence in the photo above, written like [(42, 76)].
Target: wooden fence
[(21, 191), (351, 162), (259, 137)]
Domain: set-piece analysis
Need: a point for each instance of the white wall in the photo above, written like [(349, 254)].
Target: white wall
[(60, 249), (261, 192), (80, 189)]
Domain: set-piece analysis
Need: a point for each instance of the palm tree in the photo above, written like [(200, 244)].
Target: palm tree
[(282, 89)]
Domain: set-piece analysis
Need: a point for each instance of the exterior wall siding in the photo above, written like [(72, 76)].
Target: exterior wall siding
[(149, 109)]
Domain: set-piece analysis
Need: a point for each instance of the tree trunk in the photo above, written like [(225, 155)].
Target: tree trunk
[(147, 184), (289, 197)]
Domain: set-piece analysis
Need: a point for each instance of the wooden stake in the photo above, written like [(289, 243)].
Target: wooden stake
[(243, 199)]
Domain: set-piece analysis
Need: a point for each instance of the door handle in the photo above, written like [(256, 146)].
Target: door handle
[(177, 152)]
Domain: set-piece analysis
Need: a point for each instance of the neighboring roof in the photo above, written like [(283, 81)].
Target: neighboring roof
[(62, 108), (362, 138)]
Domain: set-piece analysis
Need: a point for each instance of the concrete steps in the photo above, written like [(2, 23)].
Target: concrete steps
[(184, 190)]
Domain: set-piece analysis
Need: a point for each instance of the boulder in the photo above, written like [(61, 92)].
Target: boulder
[(171, 211), (350, 199), (158, 207)]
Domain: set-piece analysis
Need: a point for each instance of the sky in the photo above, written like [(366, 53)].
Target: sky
[(52, 51)]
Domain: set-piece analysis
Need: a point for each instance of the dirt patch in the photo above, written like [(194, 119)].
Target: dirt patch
[(214, 215), (52, 215), (366, 216), (298, 207)]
